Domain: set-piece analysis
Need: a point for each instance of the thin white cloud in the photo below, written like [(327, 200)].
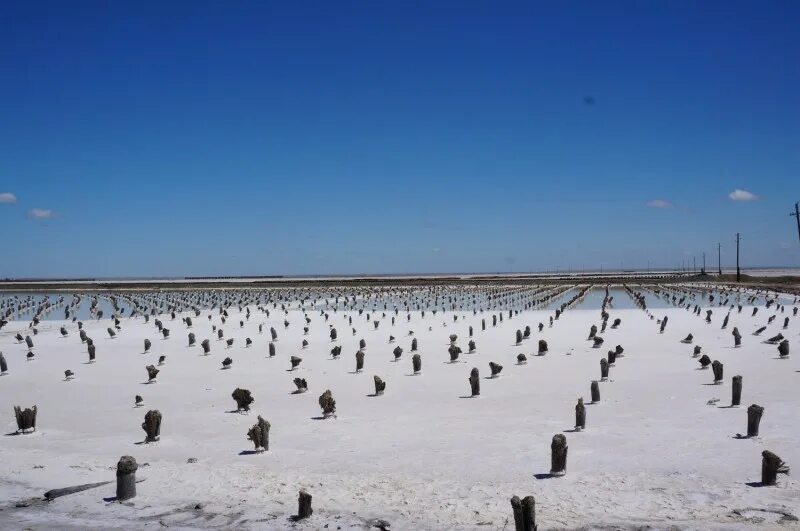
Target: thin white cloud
[(41, 213), (659, 203), (436, 249), (8, 198), (742, 195)]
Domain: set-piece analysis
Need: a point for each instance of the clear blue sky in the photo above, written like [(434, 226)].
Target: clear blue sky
[(224, 138)]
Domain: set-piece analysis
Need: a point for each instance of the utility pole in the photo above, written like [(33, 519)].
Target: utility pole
[(796, 215), (719, 258), (704, 262), (738, 271), (694, 264)]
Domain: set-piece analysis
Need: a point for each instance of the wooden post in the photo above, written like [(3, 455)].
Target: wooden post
[(783, 348), (26, 419), (416, 361), (558, 455), (304, 505), (126, 478), (152, 425), (580, 415), (716, 366), (754, 413), (475, 381), (736, 398), (359, 361), (206, 346), (604, 368), (595, 392), (380, 385), (259, 435), (771, 466), (524, 513)]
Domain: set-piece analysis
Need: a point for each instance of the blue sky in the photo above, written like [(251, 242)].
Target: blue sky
[(225, 138)]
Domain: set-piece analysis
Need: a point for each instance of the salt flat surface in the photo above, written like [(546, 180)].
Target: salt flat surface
[(421, 456)]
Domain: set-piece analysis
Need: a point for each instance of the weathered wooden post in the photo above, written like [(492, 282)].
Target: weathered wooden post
[(152, 372), (227, 363), (362, 344), (295, 361), (595, 389), (705, 361), (414, 345), (696, 351), (495, 368), (688, 339), (475, 382), (416, 362), (558, 455), (327, 403), (3, 364), (783, 348), (663, 324), (754, 413), (191, 339), (26, 419), (604, 367), (304, 505), (716, 366), (736, 394), (152, 426), (454, 352), (91, 349), (147, 345), (580, 415), (542, 347), (259, 435), (771, 466), (397, 353), (471, 346), (359, 361), (737, 337), (126, 478), (524, 513), (243, 399), (522, 359), (272, 350), (206, 344), (592, 332), (519, 337), (380, 385), (301, 384)]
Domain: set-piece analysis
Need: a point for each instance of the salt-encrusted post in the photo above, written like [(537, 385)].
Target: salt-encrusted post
[(206, 346), (716, 366), (126, 478), (259, 435), (736, 395), (26, 418), (604, 368), (152, 425), (475, 381), (304, 505), (558, 455), (771, 466), (380, 385), (327, 403), (783, 348), (595, 388), (359, 361), (580, 415), (754, 413), (416, 361), (524, 513)]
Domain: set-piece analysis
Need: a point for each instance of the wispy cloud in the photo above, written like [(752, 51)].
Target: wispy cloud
[(659, 203), (8, 197), (41, 213), (742, 195)]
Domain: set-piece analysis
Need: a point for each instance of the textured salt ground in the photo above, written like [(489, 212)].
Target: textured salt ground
[(420, 456)]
